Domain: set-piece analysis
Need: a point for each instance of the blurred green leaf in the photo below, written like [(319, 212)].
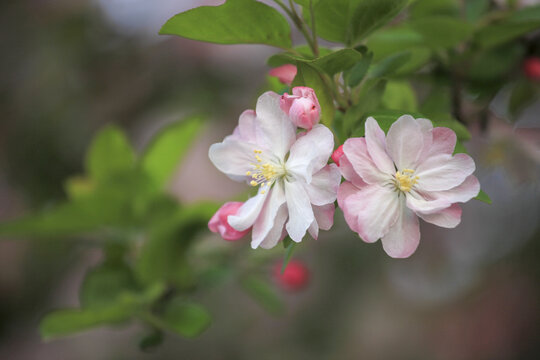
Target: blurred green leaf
[(356, 74), (368, 100), (105, 284), (442, 31), (289, 250), (427, 8), (399, 95), (110, 153), (474, 9), (389, 65), (167, 149), (337, 61), (495, 64), (482, 196), (523, 94), (310, 77), (263, 294), (186, 318), (235, 22), (151, 340)]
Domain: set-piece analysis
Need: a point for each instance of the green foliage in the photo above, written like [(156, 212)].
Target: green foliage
[(482, 196), (400, 95), (186, 318), (235, 22), (442, 32), (261, 291)]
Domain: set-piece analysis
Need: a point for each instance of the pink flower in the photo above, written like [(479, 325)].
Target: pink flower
[(219, 222), (338, 153), (294, 278), (531, 67), (392, 180), (302, 107), (285, 73)]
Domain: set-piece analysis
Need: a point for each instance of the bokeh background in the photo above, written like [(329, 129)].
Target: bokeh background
[(68, 67)]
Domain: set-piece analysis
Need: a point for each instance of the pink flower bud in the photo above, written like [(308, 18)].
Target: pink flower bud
[(294, 278), (531, 67), (338, 153), (219, 224), (285, 73), (302, 107)]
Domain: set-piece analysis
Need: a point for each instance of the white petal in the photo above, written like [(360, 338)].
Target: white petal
[(356, 151), (405, 142), (345, 190), (404, 236), (461, 193), (444, 142), (232, 157), (444, 172), (447, 218), (310, 153), (324, 185), (247, 127), (376, 146), (277, 232), (274, 128), (265, 221), (348, 172), (300, 212), (248, 213), (324, 215), (420, 204)]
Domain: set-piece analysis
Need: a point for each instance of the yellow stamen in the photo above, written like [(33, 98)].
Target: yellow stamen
[(404, 180)]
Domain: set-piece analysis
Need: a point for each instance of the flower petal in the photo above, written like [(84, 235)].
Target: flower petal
[(345, 190), (355, 149), (420, 204), (247, 127), (376, 146), (324, 219), (405, 142), (404, 236), (310, 153), (324, 185), (232, 157), (249, 212), (444, 142), (447, 218), (276, 233), (274, 128), (443, 172), (372, 210), (461, 193), (349, 173), (266, 220), (300, 212)]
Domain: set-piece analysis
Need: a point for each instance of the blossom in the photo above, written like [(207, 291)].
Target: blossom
[(302, 106), (531, 67), (296, 187), (394, 179), (337, 154), (284, 73), (218, 223), (295, 277)]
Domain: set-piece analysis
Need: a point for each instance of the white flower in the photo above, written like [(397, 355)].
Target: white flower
[(297, 188)]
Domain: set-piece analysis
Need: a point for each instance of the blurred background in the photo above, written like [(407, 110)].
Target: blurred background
[(69, 67)]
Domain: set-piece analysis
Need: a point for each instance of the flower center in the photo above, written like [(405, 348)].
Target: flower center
[(405, 180), (264, 173)]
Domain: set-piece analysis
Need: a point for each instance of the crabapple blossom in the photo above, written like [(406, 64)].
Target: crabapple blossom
[(296, 186), (219, 224), (337, 154), (284, 73), (295, 276), (394, 179), (302, 106)]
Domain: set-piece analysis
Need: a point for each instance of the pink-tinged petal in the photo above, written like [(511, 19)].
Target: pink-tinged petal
[(247, 128), (355, 150), (337, 154), (443, 172), (405, 142), (324, 185), (219, 224), (426, 127), (311, 152), (447, 218), (444, 142), (249, 212), (266, 219), (300, 212), (374, 209), (274, 129), (345, 190), (461, 193), (404, 236), (277, 232), (349, 173), (324, 219), (420, 204), (376, 146), (285, 73), (233, 158)]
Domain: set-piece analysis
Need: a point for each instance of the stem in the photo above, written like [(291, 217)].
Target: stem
[(300, 25), (313, 29)]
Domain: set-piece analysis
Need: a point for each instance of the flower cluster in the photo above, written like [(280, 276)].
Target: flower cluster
[(390, 179)]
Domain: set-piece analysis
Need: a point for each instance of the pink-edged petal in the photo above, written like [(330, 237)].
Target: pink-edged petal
[(375, 210), (324, 219), (420, 204), (443, 172), (444, 142), (276, 233), (376, 146), (300, 212), (345, 190), (324, 185), (265, 221), (233, 158), (349, 173), (461, 193), (355, 149), (403, 237), (405, 142), (447, 218), (311, 152), (249, 212), (274, 129)]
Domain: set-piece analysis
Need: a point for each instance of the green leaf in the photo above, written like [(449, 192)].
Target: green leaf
[(151, 340), (349, 21), (105, 284), (110, 153), (289, 250), (442, 31), (389, 65), (167, 149), (427, 8), (235, 22), (263, 293), (394, 40), (400, 95), (310, 77), (337, 61), (495, 64), (474, 9), (523, 94), (186, 318), (359, 70), (368, 100), (482, 196)]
